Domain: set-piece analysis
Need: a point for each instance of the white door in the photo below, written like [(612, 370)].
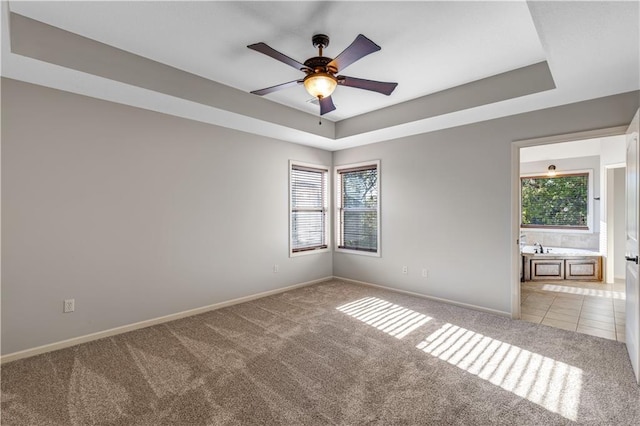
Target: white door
[(632, 247)]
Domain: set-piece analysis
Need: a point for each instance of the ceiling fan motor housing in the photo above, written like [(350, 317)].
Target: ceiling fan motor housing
[(319, 64)]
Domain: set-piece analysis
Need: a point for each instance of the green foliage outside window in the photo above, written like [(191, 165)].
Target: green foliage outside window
[(359, 214), (559, 202)]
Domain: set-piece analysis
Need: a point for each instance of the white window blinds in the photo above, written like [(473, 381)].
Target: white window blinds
[(308, 187), (358, 208)]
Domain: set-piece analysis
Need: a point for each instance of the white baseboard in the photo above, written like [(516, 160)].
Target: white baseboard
[(424, 296), (146, 323)]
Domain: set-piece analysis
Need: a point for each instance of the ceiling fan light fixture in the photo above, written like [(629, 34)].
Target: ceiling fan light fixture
[(320, 84)]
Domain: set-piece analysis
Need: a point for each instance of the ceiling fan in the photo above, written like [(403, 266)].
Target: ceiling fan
[(321, 79)]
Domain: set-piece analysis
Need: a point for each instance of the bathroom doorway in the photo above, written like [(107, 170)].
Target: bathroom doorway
[(595, 305)]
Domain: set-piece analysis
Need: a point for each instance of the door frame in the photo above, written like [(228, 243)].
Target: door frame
[(515, 196)]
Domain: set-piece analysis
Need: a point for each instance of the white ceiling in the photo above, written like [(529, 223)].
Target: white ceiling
[(591, 48)]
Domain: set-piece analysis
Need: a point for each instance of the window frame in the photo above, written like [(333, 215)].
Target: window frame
[(338, 206), (327, 219), (559, 228)]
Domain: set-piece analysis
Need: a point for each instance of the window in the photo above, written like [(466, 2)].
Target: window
[(358, 208), (555, 202), (308, 218)]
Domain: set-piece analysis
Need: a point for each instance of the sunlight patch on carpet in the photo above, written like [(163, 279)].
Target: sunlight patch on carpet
[(394, 320), (584, 291), (552, 384)]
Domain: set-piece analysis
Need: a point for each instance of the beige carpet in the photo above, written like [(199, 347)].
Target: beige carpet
[(332, 353)]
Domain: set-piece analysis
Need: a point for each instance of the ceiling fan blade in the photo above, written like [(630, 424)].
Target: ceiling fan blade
[(360, 48), (375, 86), (277, 87), (326, 105), (269, 51)]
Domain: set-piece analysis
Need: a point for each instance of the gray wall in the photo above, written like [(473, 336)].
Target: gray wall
[(134, 214), (446, 202), (619, 224)]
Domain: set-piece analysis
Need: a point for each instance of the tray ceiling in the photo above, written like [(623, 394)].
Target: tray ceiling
[(455, 62)]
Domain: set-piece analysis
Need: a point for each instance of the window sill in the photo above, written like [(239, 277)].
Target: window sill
[(308, 252), (358, 252)]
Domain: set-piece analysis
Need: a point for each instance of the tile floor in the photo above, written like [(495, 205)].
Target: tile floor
[(592, 308)]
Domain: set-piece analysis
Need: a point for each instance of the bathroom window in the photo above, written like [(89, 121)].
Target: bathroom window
[(560, 201), (308, 208), (358, 208)]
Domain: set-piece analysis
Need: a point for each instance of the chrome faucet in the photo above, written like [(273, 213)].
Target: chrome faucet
[(541, 248)]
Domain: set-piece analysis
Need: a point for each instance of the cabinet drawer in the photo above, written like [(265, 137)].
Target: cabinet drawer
[(582, 269), (547, 269)]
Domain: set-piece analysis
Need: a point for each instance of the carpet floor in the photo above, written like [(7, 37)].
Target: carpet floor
[(333, 353)]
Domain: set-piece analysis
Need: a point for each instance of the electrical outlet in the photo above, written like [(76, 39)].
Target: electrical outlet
[(276, 269), (425, 273), (69, 305), (405, 270)]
